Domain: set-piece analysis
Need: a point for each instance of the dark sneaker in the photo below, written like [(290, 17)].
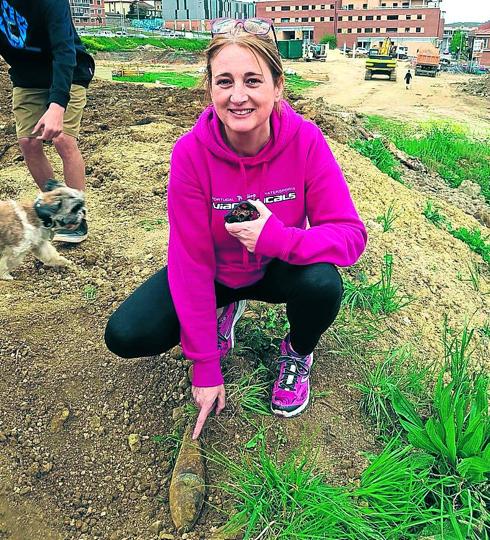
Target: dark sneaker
[(226, 326), (291, 391), (72, 236)]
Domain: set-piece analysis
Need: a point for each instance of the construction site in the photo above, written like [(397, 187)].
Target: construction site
[(88, 440)]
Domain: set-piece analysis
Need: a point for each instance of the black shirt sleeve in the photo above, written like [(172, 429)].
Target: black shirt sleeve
[(61, 36)]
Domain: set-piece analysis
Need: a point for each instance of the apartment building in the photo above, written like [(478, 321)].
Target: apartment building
[(361, 23), (88, 12), (196, 14), (480, 44), (119, 7)]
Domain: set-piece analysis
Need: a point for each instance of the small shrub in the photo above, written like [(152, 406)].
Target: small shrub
[(457, 434)]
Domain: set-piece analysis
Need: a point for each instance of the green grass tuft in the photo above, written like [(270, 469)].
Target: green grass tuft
[(375, 150), (296, 83), (114, 44), (445, 147)]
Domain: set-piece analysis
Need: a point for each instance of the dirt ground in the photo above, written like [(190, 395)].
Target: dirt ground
[(68, 406)]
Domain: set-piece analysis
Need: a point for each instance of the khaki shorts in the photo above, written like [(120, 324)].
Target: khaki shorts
[(29, 104)]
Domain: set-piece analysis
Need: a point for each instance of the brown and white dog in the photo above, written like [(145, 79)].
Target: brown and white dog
[(30, 227)]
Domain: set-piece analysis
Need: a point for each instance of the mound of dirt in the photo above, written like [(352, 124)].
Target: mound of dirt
[(477, 86), (68, 406)]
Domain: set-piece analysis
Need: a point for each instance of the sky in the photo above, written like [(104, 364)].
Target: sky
[(466, 10)]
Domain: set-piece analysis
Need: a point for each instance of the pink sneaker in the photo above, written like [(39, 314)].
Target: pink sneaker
[(226, 326), (291, 391)]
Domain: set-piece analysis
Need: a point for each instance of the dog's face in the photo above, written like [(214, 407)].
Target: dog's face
[(60, 207)]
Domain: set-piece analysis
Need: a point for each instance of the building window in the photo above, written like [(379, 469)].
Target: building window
[(369, 17), (322, 6), (304, 19), (418, 29), (407, 29), (408, 17), (332, 6), (368, 30), (339, 30), (405, 4), (383, 5), (378, 30), (391, 30), (392, 17), (331, 19), (285, 19), (349, 30), (419, 17), (304, 8), (378, 17), (285, 8), (349, 18), (395, 4), (364, 6)]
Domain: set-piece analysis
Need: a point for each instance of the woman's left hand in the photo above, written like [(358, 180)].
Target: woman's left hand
[(248, 232)]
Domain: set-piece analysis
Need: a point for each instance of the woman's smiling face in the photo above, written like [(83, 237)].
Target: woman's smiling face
[(243, 93)]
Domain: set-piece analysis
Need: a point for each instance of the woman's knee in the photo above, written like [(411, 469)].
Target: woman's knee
[(322, 282), (118, 340)]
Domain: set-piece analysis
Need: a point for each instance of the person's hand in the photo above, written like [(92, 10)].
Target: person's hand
[(205, 399), (248, 232), (51, 123)]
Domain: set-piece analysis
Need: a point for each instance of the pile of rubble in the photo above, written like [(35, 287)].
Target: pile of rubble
[(478, 86)]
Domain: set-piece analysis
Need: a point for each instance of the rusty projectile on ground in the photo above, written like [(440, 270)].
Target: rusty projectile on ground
[(187, 486)]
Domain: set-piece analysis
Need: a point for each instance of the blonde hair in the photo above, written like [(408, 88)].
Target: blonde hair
[(261, 46)]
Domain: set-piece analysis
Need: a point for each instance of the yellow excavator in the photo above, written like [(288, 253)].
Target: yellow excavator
[(381, 61)]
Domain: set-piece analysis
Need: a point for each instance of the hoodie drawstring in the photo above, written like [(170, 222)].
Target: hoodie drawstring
[(243, 192)]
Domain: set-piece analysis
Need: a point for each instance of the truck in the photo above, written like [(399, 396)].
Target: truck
[(427, 61), (381, 61)]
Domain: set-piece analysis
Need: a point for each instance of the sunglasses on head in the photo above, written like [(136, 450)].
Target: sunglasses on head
[(255, 25)]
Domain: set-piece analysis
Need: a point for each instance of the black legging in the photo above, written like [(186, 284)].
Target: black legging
[(146, 323)]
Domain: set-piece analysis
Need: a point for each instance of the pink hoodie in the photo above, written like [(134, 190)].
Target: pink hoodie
[(295, 175)]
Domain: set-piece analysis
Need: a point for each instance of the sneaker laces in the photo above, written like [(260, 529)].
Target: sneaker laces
[(302, 369)]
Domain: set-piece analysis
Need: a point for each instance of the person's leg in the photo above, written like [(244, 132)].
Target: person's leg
[(28, 105), (73, 164), (146, 323), (66, 143), (36, 160), (312, 295)]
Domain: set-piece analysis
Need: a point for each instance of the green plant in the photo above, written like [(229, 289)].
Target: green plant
[(394, 489), (331, 39), (182, 80), (262, 331), (397, 370), (431, 212), (288, 500), (474, 277), (150, 224), (90, 293), (296, 83), (457, 434), (475, 241), (444, 147), (383, 159), (251, 392), (379, 297), (388, 218), (112, 44)]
